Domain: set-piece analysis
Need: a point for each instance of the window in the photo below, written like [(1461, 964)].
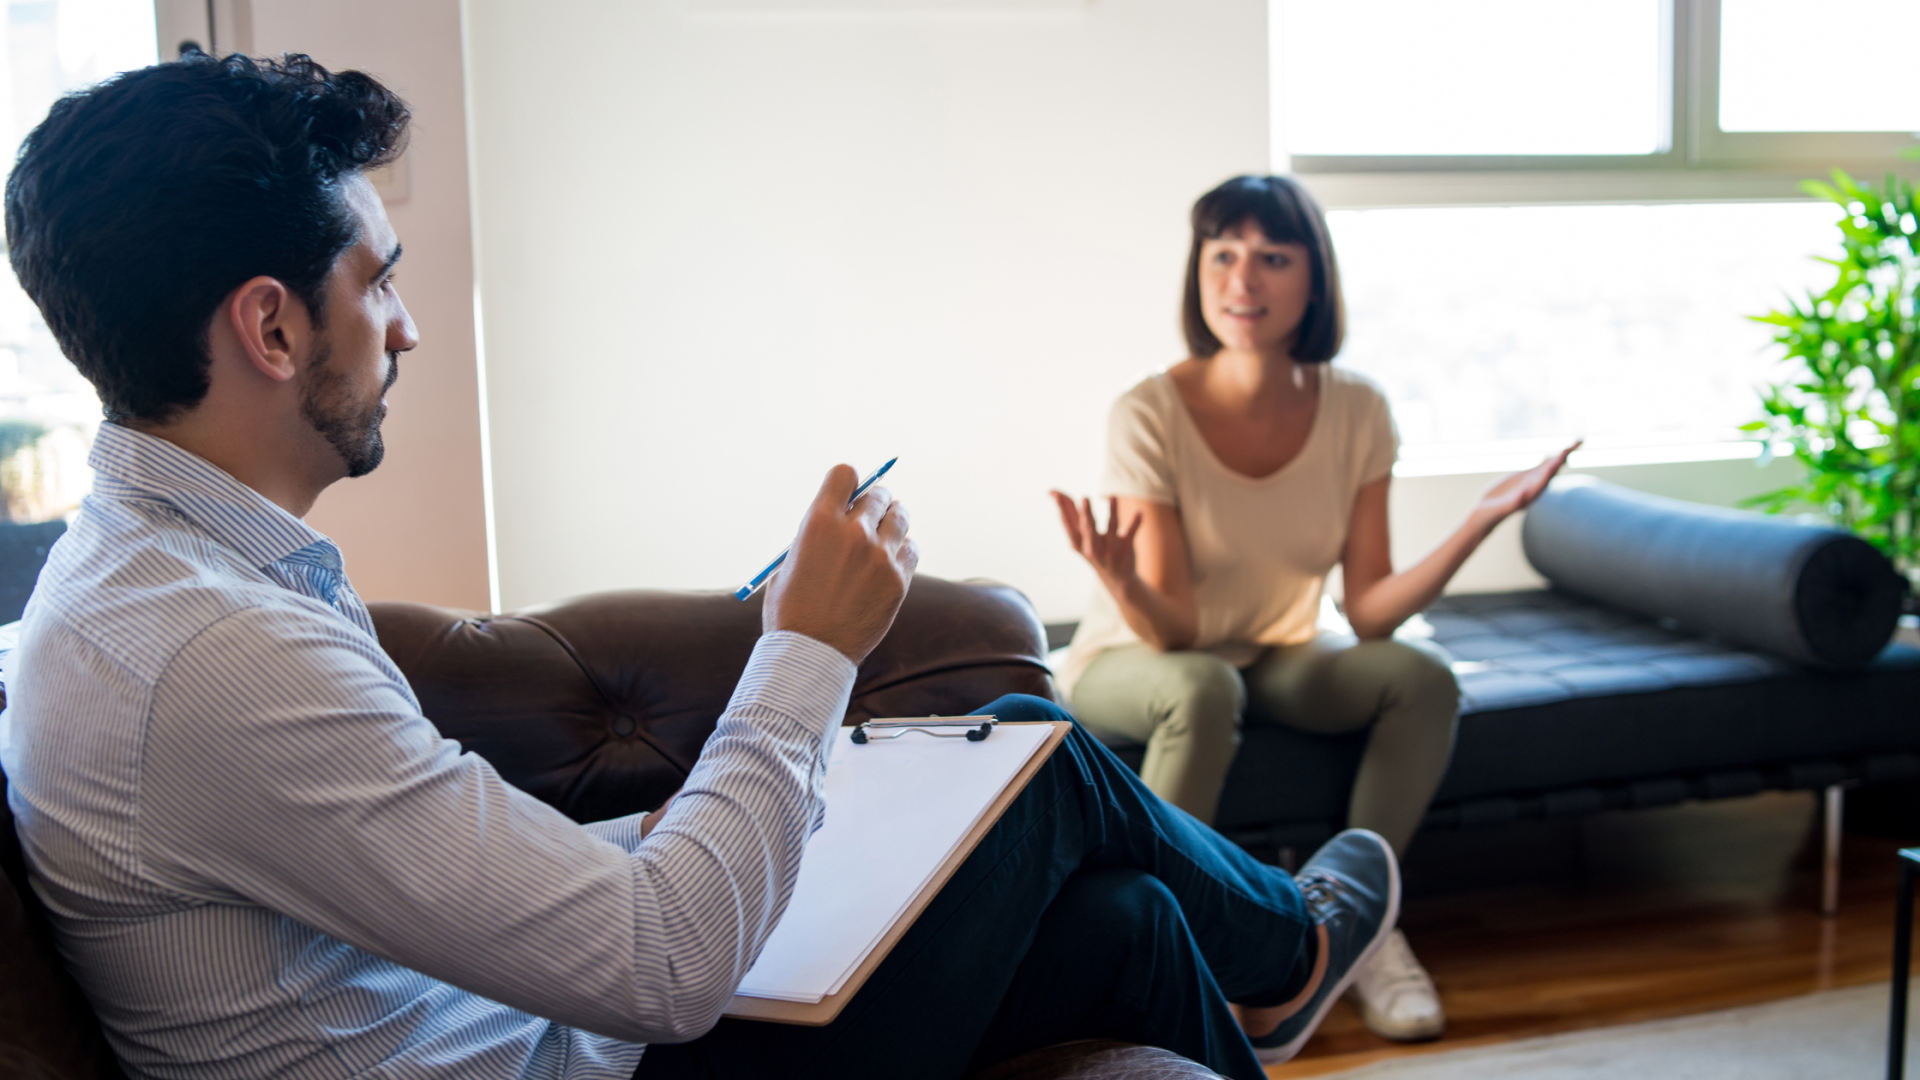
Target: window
[(1406, 102), (1552, 217), (48, 413), (1512, 77), (1781, 65), (1500, 333), (1790, 82)]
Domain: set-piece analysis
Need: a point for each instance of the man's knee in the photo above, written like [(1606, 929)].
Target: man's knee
[(1022, 709), (1113, 909), (1084, 753)]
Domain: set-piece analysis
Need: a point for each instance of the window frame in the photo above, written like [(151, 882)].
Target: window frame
[(1712, 145), (1697, 162)]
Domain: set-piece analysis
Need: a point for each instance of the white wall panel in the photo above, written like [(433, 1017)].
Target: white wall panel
[(416, 528), (722, 251)]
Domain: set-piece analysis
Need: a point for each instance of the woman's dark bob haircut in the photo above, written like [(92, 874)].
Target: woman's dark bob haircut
[(1287, 215)]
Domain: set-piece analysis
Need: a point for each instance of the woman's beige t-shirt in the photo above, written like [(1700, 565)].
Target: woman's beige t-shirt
[(1259, 548)]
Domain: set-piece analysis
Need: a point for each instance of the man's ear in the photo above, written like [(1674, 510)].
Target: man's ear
[(272, 325)]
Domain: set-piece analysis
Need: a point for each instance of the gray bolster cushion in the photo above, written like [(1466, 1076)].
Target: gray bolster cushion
[(1810, 593)]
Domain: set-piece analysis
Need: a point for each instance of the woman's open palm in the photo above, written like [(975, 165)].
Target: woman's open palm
[(1518, 491), (1110, 552)]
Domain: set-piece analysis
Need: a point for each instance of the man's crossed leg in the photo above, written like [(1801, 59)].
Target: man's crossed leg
[(1092, 909)]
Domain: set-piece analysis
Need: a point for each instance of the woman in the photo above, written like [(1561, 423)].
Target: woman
[(1237, 479)]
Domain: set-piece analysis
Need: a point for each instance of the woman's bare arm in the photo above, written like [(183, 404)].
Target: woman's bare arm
[(1379, 600)]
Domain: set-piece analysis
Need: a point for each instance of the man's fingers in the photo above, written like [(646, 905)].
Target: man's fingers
[(837, 488), (849, 566), (909, 557), (1133, 527), (873, 506), (894, 524)]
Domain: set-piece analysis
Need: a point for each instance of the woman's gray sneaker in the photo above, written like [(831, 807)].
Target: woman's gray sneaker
[(1352, 890)]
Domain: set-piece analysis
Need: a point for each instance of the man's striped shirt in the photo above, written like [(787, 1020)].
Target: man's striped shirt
[(262, 860)]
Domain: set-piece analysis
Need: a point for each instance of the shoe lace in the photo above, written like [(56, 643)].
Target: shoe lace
[(1323, 893)]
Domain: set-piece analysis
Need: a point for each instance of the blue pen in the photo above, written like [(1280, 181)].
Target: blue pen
[(759, 579)]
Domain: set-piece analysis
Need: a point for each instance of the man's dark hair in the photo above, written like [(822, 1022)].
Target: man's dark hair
[(1287, 214), (139, 204)]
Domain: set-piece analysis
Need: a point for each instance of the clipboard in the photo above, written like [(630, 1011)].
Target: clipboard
[(827, 1008)]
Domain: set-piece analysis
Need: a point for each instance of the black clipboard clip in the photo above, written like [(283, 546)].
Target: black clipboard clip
[(974, 728)]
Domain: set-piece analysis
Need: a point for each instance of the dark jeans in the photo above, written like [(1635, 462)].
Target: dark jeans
[(1091, 910)]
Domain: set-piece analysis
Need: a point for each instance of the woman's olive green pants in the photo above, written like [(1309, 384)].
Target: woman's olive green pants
[(1188, 707)]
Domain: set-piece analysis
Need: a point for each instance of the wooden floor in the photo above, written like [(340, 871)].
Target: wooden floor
[(1626, 917)]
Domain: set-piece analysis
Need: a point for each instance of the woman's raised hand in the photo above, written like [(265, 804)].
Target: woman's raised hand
[(1110, 552), (1518, 491)]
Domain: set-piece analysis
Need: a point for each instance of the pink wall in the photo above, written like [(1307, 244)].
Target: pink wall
[(416, 528)]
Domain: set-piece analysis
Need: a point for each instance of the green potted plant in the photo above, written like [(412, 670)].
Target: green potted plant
[(1849, 403)]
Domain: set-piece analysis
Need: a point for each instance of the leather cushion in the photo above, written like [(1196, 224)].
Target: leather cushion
[(600, 705), (23, 551), (47, 1029), (1557, 691), (1812, 594)]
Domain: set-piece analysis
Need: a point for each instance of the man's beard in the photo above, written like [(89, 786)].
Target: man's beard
[(352, 429)]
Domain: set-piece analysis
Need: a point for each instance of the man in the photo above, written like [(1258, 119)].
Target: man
[(262, 860)]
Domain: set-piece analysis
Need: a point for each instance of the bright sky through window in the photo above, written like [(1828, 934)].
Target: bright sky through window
[(51, 47), (1786, 65), (1468, 77), (1623, 324)]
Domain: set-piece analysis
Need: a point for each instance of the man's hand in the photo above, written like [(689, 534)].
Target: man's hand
[(848, 571), (653, 816)]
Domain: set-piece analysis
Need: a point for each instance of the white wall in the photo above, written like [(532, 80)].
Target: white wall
[(725, 250), (416, 528), (722, 251)]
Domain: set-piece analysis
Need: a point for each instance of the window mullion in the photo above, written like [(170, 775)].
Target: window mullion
[(1676, 54)]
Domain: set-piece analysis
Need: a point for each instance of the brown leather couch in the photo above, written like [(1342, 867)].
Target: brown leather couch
[(599, 706)]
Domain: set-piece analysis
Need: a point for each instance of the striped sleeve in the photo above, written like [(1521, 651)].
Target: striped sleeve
[(283, 757)]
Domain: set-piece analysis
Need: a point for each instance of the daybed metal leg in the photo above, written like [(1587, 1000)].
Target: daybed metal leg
[(1835, 802), (1902, 950)]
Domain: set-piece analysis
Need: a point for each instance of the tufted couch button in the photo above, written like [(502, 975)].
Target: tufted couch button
[(623, 725)]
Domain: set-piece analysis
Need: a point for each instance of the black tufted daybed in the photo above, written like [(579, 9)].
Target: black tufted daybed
[(1571, 705)]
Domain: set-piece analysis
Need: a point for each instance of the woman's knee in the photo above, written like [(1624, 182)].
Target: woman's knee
[(1203, 693), (1420, 679), (1204, 677)]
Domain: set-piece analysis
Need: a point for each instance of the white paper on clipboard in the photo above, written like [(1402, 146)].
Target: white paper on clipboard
[(896, 810)]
